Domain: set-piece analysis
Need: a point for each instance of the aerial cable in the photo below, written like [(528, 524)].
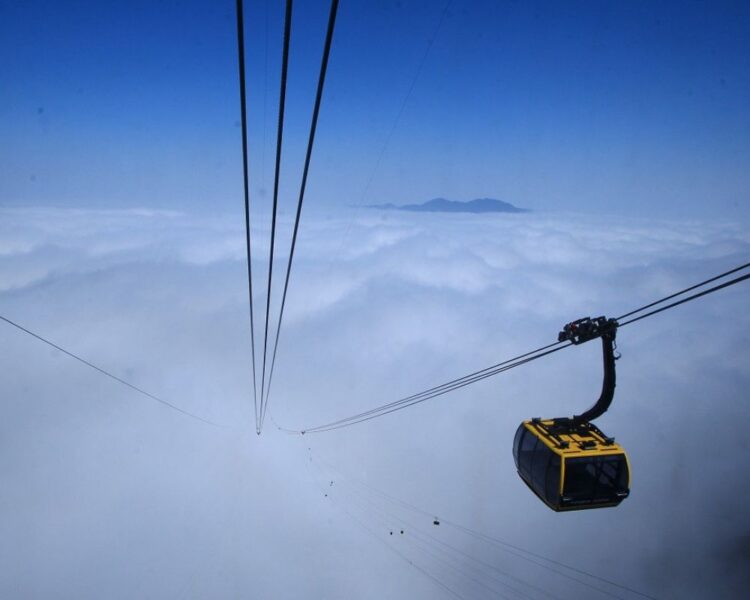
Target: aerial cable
[(265, 102), (437, 390), (279, 139), (386, 520), (390, 547), (685, 290), (514, 550), (716, 288), (452, 552), (108, 374), (451, 385), (509, 548), (412, 528), (243, 110), (433, 553), (308, 155), (421, 534), (480, 375), (506, 546), (424, 396), (396, 121), (525, 358), (429, 540), (419, 568)]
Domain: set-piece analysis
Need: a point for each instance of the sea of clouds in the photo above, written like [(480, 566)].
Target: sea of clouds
[(105, 493)]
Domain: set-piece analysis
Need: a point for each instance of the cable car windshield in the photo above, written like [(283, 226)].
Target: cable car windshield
[(596, 479)]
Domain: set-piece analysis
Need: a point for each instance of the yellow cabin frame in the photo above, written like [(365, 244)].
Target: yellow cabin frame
[(586, 468)]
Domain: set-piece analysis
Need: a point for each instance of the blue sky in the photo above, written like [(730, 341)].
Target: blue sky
[(637, 108)]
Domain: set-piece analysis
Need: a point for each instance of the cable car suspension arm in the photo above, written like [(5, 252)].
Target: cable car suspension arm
[(584, 330)]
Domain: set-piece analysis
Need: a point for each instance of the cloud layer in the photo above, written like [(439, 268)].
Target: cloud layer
[(106, 493)]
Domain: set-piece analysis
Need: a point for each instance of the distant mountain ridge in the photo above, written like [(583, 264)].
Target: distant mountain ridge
[(478, 205)]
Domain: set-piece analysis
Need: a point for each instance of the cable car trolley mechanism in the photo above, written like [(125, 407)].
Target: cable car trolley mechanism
[(568, 462)]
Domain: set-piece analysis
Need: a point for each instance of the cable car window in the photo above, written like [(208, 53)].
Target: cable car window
[(517, 442), (529, 442), (595, 479), (539, 467), (526, 454), (552, 488)]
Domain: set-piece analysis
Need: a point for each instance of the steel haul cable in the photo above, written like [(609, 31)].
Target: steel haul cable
[(449, 386), (527, 357), (308, 156), (686, 290), (277, 170), (715, 288), (422, 397), (437, 390), (243, 110)]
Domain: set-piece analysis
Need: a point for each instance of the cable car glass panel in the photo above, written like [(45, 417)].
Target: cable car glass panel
[(517, 442), (526, 452), (542, 455), (552, 487), (595, 480)]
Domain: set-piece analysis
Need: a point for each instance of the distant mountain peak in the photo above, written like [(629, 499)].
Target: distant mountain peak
[(478, 205)]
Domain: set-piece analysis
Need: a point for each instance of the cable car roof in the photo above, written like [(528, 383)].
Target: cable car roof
[(573, 440)]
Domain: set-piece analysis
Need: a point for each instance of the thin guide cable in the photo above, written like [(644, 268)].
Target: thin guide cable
[(396, 121), (107, 373), (503, 544)]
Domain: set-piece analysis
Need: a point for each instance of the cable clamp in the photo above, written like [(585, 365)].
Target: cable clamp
[(586, 329)]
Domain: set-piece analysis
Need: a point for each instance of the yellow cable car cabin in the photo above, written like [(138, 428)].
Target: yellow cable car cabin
[(571, 467), (568, 462)]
